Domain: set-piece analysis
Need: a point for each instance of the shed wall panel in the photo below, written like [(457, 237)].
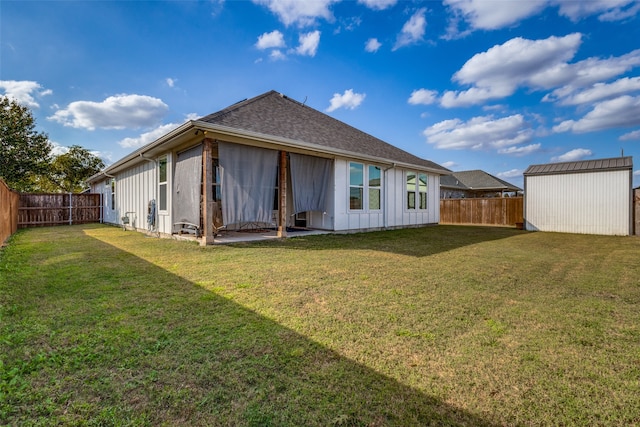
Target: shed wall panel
[(584, 203)]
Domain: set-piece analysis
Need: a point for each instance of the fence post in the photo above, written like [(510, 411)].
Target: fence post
[(70, 210)]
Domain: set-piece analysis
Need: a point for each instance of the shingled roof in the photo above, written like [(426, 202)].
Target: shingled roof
[(615, 163), (277, 115), (476, 180)]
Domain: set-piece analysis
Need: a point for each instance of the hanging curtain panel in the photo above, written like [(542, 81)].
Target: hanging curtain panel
[(248, 177), (187, 186), (310, 177)]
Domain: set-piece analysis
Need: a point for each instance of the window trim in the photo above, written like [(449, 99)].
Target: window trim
[(417, 192), (356, 186), (365, 188), (164, 184)]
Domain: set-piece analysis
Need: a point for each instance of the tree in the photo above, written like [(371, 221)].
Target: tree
[(25, 154), (69, 171)]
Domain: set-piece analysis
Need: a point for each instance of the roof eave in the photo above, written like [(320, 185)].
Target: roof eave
[(291, 143)]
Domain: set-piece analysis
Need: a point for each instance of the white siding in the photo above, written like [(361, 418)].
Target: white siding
[(394, 213), (585, 203)]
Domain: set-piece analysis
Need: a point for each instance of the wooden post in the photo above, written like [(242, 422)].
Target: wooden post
[(207, 205), (282, 193)]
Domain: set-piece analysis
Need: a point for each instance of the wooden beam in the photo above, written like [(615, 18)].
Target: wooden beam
[(282, 193), (207, 202)]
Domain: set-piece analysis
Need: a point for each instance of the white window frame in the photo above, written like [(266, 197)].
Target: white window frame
[(417, 192), (365, 188), (352, 186), (163, 185), (377, 188)]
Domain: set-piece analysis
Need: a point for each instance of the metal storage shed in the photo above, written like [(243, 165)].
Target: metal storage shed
[(585, 197)]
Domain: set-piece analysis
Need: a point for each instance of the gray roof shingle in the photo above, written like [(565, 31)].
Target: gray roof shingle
[(277, 115), (615, 163), (476, 180)]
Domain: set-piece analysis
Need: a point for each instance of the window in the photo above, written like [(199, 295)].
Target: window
[(113, 193), (417, 185), (422, 190), (374, 187), (356, 186), (411, 190), (162, 184)]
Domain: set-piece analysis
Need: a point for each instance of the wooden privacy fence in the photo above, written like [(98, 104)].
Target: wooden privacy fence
[(8, 212), (39, 210), (487, 211)]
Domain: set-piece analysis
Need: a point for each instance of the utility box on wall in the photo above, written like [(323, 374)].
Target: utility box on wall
[(585, 197)]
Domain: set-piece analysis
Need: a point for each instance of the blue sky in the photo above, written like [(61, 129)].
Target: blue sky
[(495, 85)]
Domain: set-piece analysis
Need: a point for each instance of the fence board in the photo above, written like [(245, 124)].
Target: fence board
[(8, 212), (39, 210), (483, 211)]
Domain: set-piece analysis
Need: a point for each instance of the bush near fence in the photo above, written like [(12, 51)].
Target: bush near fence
[(9, 201), (506, 211)]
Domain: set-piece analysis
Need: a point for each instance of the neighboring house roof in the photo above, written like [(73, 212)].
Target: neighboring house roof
[(275, 114), (274, 118), (476, 180), (598, 165)]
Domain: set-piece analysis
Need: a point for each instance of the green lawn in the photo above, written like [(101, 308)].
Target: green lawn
[(435, 326)]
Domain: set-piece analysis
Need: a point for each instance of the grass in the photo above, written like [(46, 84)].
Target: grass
[(436, 326)]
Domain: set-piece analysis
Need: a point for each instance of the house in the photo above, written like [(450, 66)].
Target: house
[(269, 161), (474, 184), (587, 197)]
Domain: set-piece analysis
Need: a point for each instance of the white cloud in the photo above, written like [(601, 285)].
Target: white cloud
[(378, 4), (309, 43), (520, 151), (479, 133), (600, 91), (573, 155), (630, 136), (623, 111), (636, 173), (513, 173), (147, 137), (571, 78), (423, 97), (372, 45), (171, 82), (24, 91), (349, 99), (608, 10), (487, 15), (413, 30), (301, 13), (450, 164), (270, 40), (277, 55), (57, 149), (499, 71), (115, 112)]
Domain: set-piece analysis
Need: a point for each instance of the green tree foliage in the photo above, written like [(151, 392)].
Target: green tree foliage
[(69, 171), (25, 154)]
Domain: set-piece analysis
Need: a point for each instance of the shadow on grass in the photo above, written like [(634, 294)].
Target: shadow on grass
[(417, 242), (101, 335)]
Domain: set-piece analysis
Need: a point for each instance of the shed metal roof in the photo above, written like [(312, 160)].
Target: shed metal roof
[(598, 165)]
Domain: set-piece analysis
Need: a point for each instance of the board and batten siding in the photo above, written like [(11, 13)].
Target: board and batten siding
[(394, 213), (135, 188), (583, 203)]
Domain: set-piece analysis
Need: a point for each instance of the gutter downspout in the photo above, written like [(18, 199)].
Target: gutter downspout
[(155, 189), (384, 195)]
